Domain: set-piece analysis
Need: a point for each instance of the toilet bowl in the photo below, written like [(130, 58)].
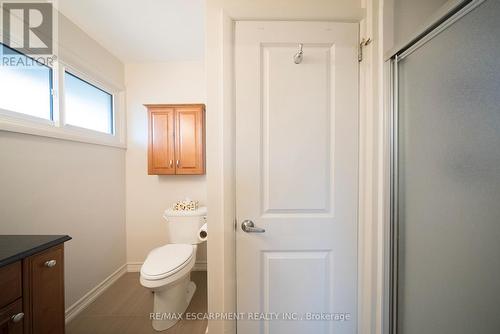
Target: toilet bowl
[(166, 270)]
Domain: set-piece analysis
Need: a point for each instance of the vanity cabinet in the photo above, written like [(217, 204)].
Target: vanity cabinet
[(32, 287), (11, 309), (176, 141), (44, 291)]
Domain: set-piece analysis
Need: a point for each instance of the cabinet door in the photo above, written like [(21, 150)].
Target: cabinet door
[(46, 291), (190, 132), (161, 148)]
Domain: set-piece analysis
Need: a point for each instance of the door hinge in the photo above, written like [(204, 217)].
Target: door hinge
[(364, 42)]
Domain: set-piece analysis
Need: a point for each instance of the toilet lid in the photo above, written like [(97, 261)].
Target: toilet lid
[(166, 260)]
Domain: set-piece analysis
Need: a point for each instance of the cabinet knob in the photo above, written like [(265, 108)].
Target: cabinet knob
[(177, 163), (50, 263), (171, 163), (17, 317)]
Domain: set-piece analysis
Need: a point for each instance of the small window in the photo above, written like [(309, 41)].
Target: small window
[(86, 105), (25, 84)]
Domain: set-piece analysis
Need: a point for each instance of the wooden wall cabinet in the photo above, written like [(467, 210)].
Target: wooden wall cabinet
[(176, 139)]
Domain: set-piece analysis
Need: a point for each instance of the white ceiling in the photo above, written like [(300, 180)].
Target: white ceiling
[(142, 31)]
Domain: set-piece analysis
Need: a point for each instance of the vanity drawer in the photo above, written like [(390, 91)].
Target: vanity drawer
[(12, 318), (10, 283)]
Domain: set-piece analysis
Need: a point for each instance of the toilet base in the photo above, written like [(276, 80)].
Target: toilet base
[(172, 301)]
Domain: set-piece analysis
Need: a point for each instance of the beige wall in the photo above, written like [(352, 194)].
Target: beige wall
[(409, 15), (289, 9), (53, 186), (149, 195), (78, 49), (402, 18)]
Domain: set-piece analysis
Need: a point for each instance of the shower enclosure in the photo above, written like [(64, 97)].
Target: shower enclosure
[(445, 257)]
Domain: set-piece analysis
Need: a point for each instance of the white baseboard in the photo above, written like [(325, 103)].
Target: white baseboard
[(200, 266), (90, 296), (135, 267)]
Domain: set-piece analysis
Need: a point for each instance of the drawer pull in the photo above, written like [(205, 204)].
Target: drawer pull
[(17, 317), (50, 263)]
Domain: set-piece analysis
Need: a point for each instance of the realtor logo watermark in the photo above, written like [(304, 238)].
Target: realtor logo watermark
[(254, 316), (31, 24), (28, 33)]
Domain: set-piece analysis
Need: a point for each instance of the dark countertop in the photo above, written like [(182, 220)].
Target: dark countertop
[(16, 247)]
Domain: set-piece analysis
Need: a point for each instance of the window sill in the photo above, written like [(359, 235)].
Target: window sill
[(46, 128)]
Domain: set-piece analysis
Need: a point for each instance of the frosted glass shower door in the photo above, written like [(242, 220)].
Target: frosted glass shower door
[(449, 180)]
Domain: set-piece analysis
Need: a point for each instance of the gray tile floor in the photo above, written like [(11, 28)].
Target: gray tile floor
[(124, 308)]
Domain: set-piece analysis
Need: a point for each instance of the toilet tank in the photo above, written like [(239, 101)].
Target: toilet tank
[(183, 226)]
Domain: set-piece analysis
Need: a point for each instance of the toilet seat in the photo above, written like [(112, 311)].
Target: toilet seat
[(167, 260)]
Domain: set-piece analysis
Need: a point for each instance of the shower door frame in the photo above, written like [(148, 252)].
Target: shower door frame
[(452, 12)]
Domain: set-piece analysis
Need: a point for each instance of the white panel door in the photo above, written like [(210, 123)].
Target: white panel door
[(296, 176)]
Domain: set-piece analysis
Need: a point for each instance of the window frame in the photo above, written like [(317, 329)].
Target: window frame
[(7, 113), (65, 68), (12, 121)]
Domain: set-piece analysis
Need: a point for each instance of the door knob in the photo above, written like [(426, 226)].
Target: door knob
[(17, 317), (50, 263), (249, 227)]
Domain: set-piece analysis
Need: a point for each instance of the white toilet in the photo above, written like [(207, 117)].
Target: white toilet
[(167, 268)]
